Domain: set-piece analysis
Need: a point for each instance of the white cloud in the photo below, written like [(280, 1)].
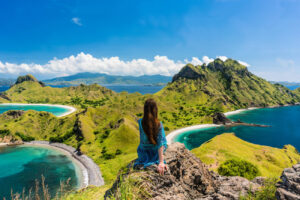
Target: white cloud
[(194, 61), (223, 58), (207, 60), (77, 21), (244, 63), (87, 63)]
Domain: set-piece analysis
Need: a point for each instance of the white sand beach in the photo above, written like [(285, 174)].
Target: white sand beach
[(88, 172), (171, 136), (69, 108)]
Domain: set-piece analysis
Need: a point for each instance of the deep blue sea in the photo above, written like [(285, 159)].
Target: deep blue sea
[(284, 122), (21, 165), (52, 109)]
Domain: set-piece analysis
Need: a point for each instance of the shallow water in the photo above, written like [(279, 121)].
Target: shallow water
[(21, 165), (51, 109), (284, 122)]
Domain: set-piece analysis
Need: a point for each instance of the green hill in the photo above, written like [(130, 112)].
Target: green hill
[(105, 124), (34, 92), (227, 84), (197, 92), (270, 161)]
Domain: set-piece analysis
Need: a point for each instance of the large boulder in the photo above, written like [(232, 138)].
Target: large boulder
[(220, 118), (187, 178), (289, 186)]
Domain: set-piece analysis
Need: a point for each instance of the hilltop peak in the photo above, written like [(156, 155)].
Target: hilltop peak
[(191, 71), (27, 77)]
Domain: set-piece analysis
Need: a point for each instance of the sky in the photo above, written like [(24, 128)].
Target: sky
[(52, 38)]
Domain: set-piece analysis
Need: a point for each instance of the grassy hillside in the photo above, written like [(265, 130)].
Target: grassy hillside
[(105, 124), (270, 161), (34, 92), (297, 91), (227, 85)]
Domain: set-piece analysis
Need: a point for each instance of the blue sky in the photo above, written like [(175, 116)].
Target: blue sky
[(57, 37)]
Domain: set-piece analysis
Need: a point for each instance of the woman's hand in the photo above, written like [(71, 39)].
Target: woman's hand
[(161, 168)]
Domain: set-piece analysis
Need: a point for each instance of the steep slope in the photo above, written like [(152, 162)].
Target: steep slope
[(269, 160), (32, 91), (297, 91), (228, 85)]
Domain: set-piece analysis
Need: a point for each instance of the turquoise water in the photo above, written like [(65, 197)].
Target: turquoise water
[(284, 122), (21, 165), (51, 109)]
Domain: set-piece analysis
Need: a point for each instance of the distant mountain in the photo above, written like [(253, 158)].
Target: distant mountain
[(102, 79), (6, 82), (290, 85)]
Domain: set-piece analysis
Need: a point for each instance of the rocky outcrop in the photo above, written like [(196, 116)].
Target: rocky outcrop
[(187, 178), (289, 186), (14, 113), (3, 96), (28, 77), (220, 118), (188, 72)]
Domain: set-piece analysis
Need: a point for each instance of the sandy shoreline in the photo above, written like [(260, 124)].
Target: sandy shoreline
[(171, 136), (69, 108), (89, 173)]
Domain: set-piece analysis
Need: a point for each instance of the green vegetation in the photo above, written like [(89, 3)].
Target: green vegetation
[(267, 192), (25, 138), (235, 167), (269, 161), (105, 124)]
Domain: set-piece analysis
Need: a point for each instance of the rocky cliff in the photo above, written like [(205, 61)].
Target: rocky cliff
[(187, 178), (289, 186)]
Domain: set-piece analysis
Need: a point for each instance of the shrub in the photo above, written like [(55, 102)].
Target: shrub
[(5, 132), (25, 138), (167, 128), (108, 156), (118, 152), (267, 192), (235, 167)]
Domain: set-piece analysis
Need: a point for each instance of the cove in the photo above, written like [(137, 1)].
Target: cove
[(57, 110), (284, 128), (21, 165)]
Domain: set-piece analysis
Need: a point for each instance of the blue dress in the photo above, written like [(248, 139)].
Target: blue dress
[(147, 152)]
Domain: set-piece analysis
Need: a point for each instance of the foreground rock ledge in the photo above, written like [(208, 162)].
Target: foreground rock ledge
[(289, 187), (188, 178)]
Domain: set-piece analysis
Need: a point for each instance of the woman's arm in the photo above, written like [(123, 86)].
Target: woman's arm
[(161, 167)]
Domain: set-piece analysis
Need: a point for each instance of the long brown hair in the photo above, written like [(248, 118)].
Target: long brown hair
[(150, 122)]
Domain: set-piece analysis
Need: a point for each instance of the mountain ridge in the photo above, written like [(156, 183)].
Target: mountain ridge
[(101, 78)]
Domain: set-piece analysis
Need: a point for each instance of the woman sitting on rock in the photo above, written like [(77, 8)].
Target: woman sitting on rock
[(153, 141)]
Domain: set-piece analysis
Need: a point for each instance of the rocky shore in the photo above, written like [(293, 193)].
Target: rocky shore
[(90, 171)]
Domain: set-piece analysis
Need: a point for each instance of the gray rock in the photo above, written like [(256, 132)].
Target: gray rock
[(187, 178), (220, 118), (289, 186)]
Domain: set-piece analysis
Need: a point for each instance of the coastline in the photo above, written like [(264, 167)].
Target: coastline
[(171, 136), (89, 172), (70, 109)]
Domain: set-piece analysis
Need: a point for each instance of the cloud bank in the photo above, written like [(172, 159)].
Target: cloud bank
[(114, 66)]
